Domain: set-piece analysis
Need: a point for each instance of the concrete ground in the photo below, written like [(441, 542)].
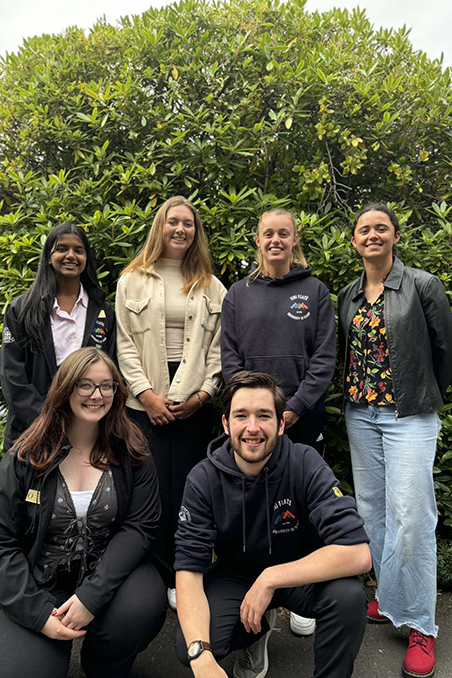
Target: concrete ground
[(381, 653)]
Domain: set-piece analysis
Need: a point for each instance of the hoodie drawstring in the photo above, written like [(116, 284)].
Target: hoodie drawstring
[(267, 504), (243, 516)]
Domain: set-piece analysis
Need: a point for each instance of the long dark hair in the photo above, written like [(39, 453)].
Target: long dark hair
[(39, 298), (42, 441)]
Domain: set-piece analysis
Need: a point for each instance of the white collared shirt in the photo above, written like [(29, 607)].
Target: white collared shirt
[(68, 328)]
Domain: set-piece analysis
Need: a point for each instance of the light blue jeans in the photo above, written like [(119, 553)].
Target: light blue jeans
[(392, 462)]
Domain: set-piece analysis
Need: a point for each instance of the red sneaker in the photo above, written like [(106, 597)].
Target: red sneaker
[(420, 657), (373, 615)]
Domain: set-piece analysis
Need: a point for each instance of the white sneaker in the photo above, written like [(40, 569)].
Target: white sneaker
[(171, 595), (302, 626), (253, 660)]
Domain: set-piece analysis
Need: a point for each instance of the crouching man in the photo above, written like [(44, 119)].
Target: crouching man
[(283, 534)]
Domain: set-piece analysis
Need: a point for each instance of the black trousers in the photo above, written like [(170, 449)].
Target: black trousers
[(309, 429), (126, 626), (175, 447), (339, 606)]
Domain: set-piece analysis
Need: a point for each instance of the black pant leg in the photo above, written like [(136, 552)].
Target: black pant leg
[(339, 607), (225, 593), (126, 626), (175, 448), (309, 430), (26, 654)]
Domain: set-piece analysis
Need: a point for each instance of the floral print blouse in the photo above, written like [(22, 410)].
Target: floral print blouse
[(369, 380)]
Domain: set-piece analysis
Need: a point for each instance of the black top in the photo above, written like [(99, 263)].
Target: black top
[(26, 507)]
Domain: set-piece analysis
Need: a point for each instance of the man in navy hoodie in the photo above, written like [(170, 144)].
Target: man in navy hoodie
[(283, 534)]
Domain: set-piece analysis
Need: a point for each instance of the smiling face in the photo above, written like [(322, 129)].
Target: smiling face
[(253, 428), (91, 409), (68, 257), (178, 232), (375, 236), (275, 239)]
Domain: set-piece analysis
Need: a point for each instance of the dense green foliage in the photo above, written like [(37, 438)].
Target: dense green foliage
[(239, 106)]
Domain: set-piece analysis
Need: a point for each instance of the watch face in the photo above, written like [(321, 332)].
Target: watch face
[(194, 649)]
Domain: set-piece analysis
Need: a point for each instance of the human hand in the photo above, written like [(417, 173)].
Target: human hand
[(255, 603), (156, 408), (290, 418), (55, 629), (77, 615), (190, 406), (205, 666)]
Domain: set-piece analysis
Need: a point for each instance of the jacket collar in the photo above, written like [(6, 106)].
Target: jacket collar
[(393, 279)]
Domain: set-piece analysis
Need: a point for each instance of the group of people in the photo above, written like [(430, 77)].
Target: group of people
[(93, 527)]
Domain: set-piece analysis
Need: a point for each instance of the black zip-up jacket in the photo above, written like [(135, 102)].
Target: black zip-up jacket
[(24, 523), (26, 376), (291, 509), (284, 327), (418, 323)]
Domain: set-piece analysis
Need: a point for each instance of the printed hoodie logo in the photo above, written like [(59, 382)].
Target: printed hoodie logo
[(299, 309), (284, 517)]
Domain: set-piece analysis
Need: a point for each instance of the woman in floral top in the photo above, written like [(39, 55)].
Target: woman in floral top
[(395, 329)]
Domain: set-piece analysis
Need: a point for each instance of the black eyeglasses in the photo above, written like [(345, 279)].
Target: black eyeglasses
[(86, 388)]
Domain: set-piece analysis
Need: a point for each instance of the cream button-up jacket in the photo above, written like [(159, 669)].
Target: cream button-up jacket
[(141, 347)]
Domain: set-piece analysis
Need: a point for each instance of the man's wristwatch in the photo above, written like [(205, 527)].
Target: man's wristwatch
[(196, 648)]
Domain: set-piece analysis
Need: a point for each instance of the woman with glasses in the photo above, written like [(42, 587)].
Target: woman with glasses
[(63, 310), (168, 307), (79, 506)]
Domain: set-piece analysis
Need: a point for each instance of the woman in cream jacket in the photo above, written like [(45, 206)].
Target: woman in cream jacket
[(168, 307)]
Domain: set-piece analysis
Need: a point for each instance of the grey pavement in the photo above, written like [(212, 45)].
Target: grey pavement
[(381, 653)]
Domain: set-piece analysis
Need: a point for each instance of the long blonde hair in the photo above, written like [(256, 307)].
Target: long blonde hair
[(197, 263), (297, 257)]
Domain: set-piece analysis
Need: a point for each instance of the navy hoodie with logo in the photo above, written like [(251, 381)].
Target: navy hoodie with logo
[(284, 327), (291, 509)]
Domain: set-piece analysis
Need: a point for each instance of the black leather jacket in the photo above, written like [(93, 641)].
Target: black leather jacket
[(419, 332)]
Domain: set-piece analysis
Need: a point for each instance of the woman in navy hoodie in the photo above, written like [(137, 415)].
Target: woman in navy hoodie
[(280, 320)]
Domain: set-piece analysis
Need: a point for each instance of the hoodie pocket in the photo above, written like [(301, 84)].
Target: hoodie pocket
[(139, 314), (287, 370), (210, 314)]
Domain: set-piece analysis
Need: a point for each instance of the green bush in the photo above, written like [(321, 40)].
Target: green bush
[(445, 565), (240, 106)]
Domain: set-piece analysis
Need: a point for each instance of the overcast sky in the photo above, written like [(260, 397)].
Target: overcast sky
[(430, 21)]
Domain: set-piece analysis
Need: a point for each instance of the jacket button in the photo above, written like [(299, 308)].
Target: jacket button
[(177, 380), (192, 297), (188, 339), (190, 317), (184, 361)]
